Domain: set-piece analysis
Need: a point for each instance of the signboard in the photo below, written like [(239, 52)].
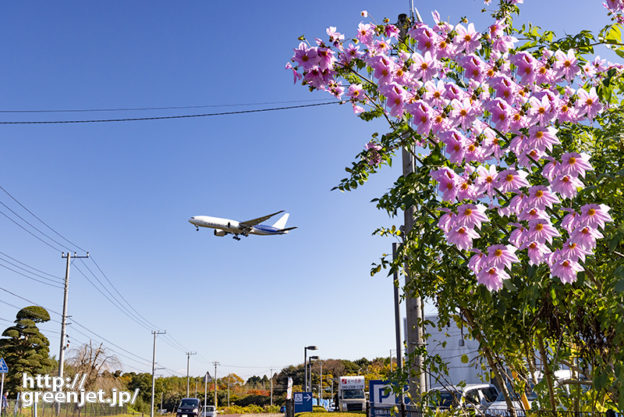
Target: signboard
[(382, 398), (289, 390), (303, 402), (3, 366)]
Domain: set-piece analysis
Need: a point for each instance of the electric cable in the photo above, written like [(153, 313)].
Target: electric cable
[(119, 109), (31, 278), (179, 116), (30, 266), (39, 218)]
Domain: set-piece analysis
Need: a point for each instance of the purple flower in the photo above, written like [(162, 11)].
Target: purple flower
[(511, 180), (462, 237), (566, 270), (594, 215), (492, 277)]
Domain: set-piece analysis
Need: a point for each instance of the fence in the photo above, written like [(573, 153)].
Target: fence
[(412, 411), (66, 410)]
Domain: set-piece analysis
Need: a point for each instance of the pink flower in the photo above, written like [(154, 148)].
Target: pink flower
[(517, 237), (492, 277), (306, 57), (501, 113), (566, 185), (566, 270), (502, 256), (570, 221), (477, 261), (423, 116), (467, 39), (365, 33), (463, 112), (462, 237), (571, 250), (543, 138), (396, 96), (529, 214), (511, 180), (541, 231), (541, 111), (355, 92), (448, 183), (537, 252), (424, 67), (471, 215), (575, 164), (526, 65), (588, 104), (585, 237), (565, 64), (455, 143), (485, 179), (541, 197), (594, 215), (334, 37), (435, 93)]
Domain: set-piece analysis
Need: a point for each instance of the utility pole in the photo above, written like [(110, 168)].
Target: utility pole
[(67, 256), (271, 375), (413, 305), (188, 378), (155, 333), (228, 381), (206, 389), (321, 384), (215, 383), (397, 330)]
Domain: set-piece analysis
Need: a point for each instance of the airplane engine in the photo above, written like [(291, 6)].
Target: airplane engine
[(220, 233)]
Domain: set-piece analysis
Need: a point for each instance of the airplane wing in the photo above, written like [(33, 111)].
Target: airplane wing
[(253, 222)]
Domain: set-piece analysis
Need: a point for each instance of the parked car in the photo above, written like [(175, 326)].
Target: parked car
[(475, 396), (283, 409), (209, 411), (189, 407)]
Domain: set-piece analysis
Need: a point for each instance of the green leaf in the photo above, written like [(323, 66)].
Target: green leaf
[(464, 358)]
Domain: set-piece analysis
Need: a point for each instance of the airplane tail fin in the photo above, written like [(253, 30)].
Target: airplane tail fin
[(281, 222)]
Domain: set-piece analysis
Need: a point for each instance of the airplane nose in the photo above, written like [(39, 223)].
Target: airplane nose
[(191, 219)]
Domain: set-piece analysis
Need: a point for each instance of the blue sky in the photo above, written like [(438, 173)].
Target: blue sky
[(125, 190)]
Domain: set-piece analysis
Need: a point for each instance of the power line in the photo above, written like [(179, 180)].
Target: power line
[(34, 227), (203, 106), (181, 116), (30, 233), (39, 218), (31, 278), (29, 266)]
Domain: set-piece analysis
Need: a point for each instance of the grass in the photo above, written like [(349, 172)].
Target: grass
[(331, 414)]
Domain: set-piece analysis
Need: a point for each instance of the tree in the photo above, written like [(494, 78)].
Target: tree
[(95, 363), (517, 148), (24, 348)]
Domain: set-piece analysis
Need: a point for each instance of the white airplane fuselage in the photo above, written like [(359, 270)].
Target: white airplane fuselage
[(224, 226)]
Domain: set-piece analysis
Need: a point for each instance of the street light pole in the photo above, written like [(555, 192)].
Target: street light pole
[(305, 366), (310, 359)]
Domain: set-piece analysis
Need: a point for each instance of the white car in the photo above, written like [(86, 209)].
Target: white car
[(209, 411), (475, 396)]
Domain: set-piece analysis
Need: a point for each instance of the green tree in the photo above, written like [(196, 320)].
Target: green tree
[(24, 348)]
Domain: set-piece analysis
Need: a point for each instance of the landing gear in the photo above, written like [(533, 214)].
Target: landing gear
[(235, 237), (197, 228)]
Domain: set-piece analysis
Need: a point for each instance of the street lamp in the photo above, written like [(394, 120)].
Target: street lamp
[(310, 359), (305, 361)]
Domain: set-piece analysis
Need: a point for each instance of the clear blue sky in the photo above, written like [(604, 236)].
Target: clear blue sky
[(124, 191)]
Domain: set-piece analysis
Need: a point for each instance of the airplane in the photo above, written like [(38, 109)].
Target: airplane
[(226, 226)]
